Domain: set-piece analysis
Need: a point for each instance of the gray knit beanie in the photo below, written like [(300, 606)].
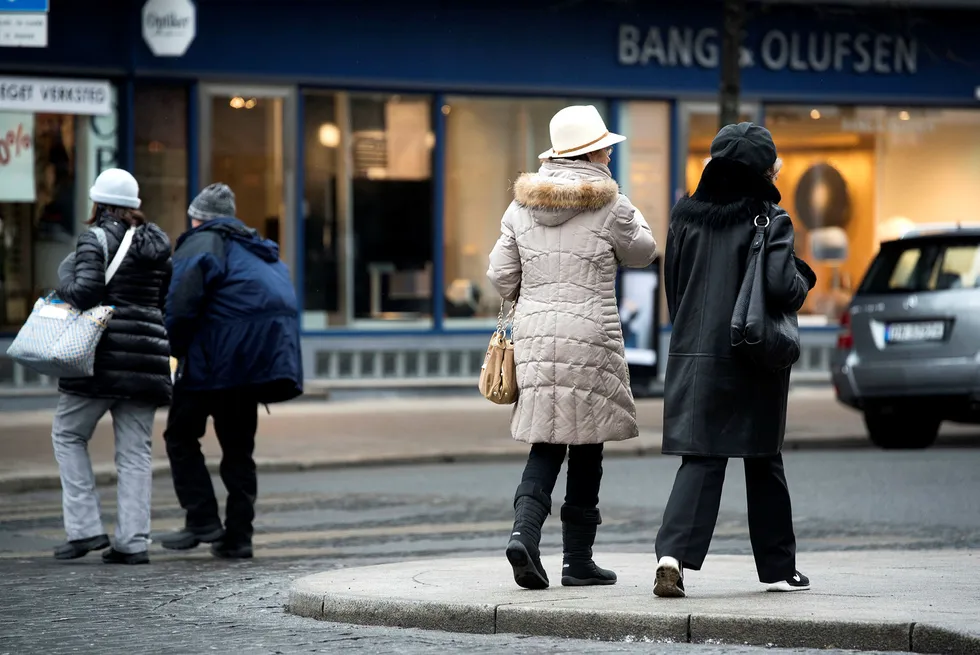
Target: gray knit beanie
[(215, 200)]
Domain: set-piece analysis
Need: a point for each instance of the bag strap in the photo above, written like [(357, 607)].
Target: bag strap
[(761, 223), (117, 260), (508, 319)]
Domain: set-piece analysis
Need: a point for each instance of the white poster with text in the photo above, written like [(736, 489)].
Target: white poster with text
[(17, 157)]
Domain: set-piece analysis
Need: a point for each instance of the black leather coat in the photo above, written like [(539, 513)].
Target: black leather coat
[(132, 361), (717, 404)]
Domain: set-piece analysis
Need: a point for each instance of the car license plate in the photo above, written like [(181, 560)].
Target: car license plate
[(912, 332)]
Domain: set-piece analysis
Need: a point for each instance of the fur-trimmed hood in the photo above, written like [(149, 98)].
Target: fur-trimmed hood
[(562, 189), (729, 192)]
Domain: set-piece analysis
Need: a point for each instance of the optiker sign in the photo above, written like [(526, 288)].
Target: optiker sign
[(160, 25), (169, 26)]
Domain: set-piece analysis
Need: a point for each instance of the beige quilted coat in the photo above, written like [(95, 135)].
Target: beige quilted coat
[(561, 243)]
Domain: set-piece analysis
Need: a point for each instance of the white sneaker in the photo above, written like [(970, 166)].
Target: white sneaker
[(798, 582), (670, 579)]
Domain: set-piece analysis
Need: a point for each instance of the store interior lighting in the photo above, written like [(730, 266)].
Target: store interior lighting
[(239, 102), (329, 135)]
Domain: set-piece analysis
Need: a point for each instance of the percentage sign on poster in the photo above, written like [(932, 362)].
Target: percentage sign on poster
[(14, 144)]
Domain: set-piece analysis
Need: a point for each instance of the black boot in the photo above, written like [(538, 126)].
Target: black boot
[(113, 556), (578, 528), (531, 508), (81, 547), (192, 537), (231, 547)]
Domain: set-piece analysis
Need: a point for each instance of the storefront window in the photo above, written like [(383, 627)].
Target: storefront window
[(489, 142), (390, 151), (47, 164), (701, 123), (853, 177), (248, 150), (644, 168), (323, 277), (161, 155)]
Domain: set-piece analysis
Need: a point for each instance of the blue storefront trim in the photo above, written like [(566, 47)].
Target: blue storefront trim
[(299, 270), (438, 213), (193, 143), (127, 115)]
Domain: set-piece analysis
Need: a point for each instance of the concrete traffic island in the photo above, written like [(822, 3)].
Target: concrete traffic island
[(920, 601)]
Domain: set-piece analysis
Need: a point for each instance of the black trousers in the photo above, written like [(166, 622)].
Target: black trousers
[(692, 512), (235, 415), (584, 471)]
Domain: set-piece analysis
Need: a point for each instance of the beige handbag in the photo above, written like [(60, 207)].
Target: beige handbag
[(498, 378)]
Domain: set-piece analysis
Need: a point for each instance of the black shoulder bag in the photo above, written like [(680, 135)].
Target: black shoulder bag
[(769, 339)]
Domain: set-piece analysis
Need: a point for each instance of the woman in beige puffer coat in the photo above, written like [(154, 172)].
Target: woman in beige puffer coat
[(562, 242)]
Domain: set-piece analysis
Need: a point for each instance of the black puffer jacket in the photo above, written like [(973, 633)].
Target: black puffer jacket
[(132, 360), (716, 404)]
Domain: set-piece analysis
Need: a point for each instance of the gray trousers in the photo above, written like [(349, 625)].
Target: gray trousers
[(74, 423)]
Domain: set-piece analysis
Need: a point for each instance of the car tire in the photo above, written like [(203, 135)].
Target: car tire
[(901, 431)]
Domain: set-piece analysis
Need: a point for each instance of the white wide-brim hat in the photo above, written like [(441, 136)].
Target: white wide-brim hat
[(577, 130)]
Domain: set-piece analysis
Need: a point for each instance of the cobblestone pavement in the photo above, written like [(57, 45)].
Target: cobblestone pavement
[(309, 522), (201, 606)]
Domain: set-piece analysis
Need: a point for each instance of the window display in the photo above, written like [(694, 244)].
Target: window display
[(855, 176), (47, 164), (489, 142), (160, 163)]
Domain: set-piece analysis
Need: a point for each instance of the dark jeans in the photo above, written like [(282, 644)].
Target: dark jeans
[(692, 512), (584, 471), (235, 415)]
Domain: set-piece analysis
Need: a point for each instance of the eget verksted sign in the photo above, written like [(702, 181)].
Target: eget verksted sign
[(55, 96)]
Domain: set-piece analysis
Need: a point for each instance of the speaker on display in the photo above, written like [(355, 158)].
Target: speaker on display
[(638, 295)]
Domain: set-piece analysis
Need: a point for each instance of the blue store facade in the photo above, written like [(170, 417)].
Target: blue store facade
[(376, 142)]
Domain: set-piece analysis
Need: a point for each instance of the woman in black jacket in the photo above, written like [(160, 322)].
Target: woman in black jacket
[(717, 405), (132, 369)]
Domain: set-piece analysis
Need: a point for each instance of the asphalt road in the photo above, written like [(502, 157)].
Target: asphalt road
[(309, 522)]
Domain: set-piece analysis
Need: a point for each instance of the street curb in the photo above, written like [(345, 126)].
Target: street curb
[(476, 618), (48, 479)]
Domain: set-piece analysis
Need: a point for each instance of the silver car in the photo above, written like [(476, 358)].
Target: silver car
[(908, 353)]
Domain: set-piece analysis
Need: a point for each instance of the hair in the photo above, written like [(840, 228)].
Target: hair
[(131, 217), (773, 172)]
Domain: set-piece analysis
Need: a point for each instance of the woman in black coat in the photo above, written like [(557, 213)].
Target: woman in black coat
[(716, 405), (132, 369)]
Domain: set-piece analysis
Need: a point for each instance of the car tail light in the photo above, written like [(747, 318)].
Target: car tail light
[(845, 338)]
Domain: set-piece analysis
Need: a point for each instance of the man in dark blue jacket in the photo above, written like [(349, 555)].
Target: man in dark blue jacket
[(233, 323)]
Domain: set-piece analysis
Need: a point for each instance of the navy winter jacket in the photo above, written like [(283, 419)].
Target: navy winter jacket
[(232, 314)]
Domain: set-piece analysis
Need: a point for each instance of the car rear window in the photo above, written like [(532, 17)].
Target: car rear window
[(918, 266)]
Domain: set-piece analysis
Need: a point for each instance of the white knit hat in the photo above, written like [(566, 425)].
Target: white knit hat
[(116, 187)]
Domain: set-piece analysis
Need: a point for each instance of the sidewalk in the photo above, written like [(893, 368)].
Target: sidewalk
[(313, 435), (922, 601)]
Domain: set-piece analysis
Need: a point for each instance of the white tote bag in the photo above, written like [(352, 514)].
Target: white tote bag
[(58, 340)]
